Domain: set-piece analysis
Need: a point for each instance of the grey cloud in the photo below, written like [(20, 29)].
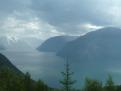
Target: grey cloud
[(8, 6), (73, 12), (65, 11), (65, 15)]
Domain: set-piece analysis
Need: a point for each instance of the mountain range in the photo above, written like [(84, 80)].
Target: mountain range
[(101, 45)]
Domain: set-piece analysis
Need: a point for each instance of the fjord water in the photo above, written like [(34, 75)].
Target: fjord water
[(45, 66), (48, 67)]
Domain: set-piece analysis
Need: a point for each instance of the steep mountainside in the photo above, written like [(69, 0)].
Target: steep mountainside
[(5, 63), (103, 44)]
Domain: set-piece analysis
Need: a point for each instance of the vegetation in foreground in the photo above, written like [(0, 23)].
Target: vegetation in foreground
[(10, 81)]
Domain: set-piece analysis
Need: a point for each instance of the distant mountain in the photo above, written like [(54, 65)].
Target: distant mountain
[(5, 63), (54, 44), (14, 44), (101, 45), (2, 44), (2, 47)]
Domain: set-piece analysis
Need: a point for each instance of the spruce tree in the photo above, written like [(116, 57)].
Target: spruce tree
[(67, 81)]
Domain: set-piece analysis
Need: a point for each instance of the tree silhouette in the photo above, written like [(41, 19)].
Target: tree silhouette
[(92, 85), (67, 81), (110, 84)]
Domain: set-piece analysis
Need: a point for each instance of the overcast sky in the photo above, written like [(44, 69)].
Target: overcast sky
[(40, 19)]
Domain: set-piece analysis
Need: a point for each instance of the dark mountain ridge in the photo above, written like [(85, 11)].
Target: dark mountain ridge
[(54, 44), (6, 64)]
